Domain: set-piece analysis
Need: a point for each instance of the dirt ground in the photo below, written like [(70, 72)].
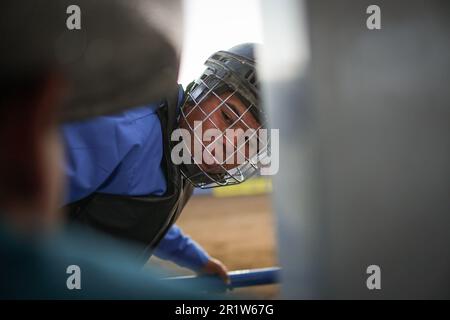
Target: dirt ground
[(237, 230)]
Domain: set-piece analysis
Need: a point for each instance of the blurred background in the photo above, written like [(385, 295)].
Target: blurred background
[(214, 25)]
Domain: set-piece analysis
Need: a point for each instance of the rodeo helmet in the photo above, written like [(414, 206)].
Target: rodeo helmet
[(232, 71)]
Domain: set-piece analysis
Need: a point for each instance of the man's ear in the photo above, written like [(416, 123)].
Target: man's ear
[(29, 116)]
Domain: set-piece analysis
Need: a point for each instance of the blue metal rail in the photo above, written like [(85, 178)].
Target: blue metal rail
[(238, 279)]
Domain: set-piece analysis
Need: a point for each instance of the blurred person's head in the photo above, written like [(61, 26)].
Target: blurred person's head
[(50, 74), (224, 101)]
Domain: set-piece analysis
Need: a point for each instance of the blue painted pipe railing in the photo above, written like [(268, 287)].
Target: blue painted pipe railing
[(238, 279)]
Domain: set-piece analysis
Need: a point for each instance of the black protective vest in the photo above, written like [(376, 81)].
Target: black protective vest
[(145, 219)]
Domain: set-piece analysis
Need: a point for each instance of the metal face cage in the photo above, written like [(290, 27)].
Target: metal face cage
[(222, 84)]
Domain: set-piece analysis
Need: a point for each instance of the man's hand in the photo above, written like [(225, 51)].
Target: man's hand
[(214, 266)]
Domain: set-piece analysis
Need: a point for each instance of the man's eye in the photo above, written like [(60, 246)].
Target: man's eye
[(227, 118)]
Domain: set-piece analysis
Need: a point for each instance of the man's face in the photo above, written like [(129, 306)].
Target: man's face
[(220, 113)]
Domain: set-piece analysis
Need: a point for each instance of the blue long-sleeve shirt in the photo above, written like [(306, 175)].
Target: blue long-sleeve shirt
[(122, 154)]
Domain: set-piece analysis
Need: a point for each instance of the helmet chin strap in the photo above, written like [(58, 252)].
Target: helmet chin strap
[(200, 178)]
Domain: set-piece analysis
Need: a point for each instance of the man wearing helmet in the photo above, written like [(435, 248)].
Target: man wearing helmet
[(122, 176), (224, 99)]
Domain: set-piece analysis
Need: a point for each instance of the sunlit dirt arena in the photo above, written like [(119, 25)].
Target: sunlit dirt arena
[(239, 230)]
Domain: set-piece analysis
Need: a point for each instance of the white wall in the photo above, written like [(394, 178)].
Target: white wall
[(212, 25)]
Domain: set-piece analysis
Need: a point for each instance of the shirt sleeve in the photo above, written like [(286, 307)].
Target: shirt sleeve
[(181, 249), (93, 149)]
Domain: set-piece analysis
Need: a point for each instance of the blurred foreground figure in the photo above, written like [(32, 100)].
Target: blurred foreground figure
[(363, 189), (50, 73)]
